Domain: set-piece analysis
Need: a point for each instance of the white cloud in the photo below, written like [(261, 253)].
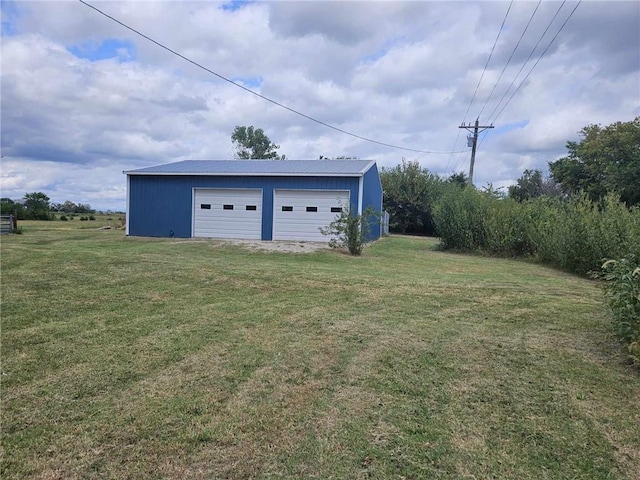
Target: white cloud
[(397, 72)]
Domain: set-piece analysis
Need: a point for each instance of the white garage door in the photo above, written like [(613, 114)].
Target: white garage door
[(298, 214), (227, 213)]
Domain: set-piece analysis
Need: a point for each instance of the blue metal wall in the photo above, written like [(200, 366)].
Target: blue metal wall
[(372, 197), (162, 205)]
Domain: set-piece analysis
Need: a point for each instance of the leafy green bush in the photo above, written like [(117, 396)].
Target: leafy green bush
[(507, 228), (459, 217), (574, 234), (622, 292), (63, 218), (350, 230), (578, 235)]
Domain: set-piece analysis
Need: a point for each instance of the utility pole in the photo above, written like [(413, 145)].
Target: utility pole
[(476, 129)]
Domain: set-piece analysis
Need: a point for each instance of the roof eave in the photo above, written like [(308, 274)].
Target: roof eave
[(254, 174)]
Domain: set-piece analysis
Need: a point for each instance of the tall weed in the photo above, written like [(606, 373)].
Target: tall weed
[(576, 235), (507, 228), (459, 219), (622, 291)]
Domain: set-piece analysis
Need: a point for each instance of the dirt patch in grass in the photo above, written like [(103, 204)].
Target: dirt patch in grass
[(282, 246)]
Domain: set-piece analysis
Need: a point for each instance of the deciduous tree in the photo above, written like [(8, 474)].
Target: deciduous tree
[(9, 207), (605, 160), (36, 206), (531, 185), (458, 178), (409, 193), (251, 143)]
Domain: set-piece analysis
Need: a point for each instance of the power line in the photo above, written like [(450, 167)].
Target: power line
[(534, 66), (478, 86), (256, 93), (538, 61), (510, 57), (451, 155), (527, 60), (488, 60)]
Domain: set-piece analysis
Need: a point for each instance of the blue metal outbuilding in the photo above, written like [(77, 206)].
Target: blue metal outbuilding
[(254, 199)]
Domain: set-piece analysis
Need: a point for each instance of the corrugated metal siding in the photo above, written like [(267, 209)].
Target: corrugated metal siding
[(372, 196), (159, 207), (162, 204)]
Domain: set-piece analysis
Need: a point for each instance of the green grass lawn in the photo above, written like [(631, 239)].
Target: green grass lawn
[(158, 358)]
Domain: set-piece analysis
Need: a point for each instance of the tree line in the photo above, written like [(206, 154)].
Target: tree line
[(38, 206), (606, 161), (583, 218)]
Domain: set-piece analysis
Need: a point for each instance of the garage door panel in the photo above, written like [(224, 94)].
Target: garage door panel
[(215, 221), (297, 222)]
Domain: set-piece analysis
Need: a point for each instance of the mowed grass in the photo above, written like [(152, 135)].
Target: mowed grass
[(178, 359)]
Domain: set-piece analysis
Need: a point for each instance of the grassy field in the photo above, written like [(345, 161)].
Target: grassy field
[(158, 358)]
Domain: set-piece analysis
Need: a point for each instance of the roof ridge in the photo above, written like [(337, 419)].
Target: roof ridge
[(260, 167)]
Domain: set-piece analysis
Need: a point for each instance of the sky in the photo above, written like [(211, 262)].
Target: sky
[(84, 98)]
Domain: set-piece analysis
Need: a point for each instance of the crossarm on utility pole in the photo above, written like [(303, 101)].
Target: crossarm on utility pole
[(476, 129)]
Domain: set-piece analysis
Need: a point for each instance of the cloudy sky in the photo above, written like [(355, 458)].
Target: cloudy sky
[(84, 98)]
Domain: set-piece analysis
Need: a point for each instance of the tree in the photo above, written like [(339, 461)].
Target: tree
[(605, 160), (528, 186), (68, 207), (341, 157), (83, 208), (36, 206), (533, 185), (9, 207), (458, 178), (253, 143), (409, 193)]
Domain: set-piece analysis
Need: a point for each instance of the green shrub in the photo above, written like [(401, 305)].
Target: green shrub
[(578, 235), (459, 218), (63, 218), (92, 218), (622, 292), (574, 234), (350, 230), (507, 228)]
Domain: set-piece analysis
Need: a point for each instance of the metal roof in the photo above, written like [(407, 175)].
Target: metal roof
[(304, 168)]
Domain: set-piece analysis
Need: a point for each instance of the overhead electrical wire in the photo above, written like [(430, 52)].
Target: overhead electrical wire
[(497, 108), (510, 57), (222, 77), (488, 60), (527, 60), (464, 119), (537, 61), (451, 155)]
